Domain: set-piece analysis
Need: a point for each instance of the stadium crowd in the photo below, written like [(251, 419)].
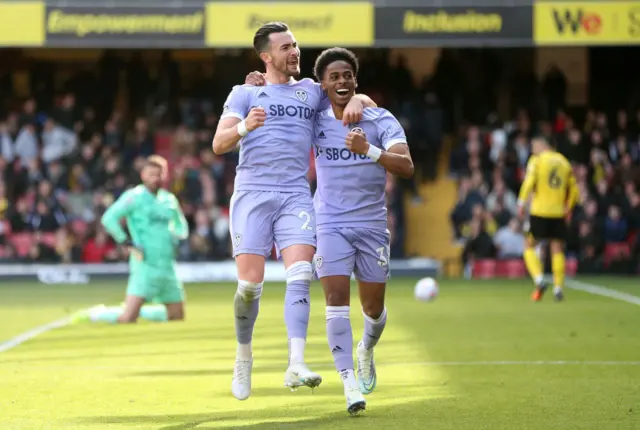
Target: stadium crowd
[(604, 150), (68, 152)]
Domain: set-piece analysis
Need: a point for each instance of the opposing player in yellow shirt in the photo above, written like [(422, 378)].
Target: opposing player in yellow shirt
[(550, 178)]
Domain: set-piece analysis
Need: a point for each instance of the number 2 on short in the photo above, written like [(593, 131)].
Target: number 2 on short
[(304, 215), (382, 259)]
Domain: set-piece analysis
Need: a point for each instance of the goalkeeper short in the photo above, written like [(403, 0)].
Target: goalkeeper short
[(155, 284)]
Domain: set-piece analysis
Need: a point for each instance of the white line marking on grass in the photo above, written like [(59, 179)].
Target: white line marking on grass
[(28, 335), (599, 290)]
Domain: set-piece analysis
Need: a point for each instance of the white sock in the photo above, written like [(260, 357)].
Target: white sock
[(348, 377), (296, 350), (557, 289), (538, 280), (243, 353)]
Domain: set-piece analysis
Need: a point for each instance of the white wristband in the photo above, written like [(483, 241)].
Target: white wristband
[(242, 128), (374, 153)]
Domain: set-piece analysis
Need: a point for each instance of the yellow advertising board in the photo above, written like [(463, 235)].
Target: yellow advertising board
[(313, 23), (21, 23), (587, 23)]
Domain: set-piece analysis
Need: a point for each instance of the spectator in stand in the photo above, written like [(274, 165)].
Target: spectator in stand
[(470, 152), (616, 228), (509, 240), (45, 219), (4, 201), (468, 197), (8, 254), (479, 246), (26, 144), (633, 211), (67, 247), (57, 142), (99, 249), (7, 150), (574, 147), (41, 251), (500, 194)]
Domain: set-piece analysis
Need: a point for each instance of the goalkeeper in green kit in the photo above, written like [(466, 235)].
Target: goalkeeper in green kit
[(156, 224)]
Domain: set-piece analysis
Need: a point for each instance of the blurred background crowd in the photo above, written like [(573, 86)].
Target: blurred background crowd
[(605, 153), (73, 138)]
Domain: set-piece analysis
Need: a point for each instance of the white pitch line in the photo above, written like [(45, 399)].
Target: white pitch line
[(599, 290), (30, 334)]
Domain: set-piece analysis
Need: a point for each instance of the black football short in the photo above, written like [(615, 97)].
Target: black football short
[(543, 228)]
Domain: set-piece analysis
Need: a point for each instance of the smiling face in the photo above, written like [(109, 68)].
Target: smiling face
[(339, 82), (284, 54)]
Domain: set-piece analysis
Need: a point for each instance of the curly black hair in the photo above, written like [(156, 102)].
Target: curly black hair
[(261, 38), (331, 55)]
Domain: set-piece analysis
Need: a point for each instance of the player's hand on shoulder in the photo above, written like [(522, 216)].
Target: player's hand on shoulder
[(256, 118), (357, 142), (256, 79), (353, 112)]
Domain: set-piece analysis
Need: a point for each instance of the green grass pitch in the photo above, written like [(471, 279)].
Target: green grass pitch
[(482, 356)]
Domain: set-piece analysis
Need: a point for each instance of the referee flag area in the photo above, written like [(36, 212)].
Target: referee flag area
[(480, 356)]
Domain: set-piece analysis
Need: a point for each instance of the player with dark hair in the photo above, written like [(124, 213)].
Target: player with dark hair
[(550, 178), (352, 162), (273, 125)]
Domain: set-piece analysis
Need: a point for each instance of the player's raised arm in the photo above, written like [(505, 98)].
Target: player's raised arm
[(112, 216), (237, 120), (179, 224)]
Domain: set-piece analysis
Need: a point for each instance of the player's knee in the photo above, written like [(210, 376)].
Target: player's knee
[(249, 291), (299, 271), (337, 297), (556, 247)]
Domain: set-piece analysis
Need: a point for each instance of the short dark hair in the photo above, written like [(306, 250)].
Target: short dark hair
[(331, 55), (157, 161), (261, 38)]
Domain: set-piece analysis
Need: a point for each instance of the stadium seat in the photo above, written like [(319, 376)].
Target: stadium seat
[(484, 269), (49, 239), (571, 265), (22, 242), (614, 250), (510, 269)]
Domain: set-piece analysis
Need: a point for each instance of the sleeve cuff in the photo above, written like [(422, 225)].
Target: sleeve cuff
[(388, 144)]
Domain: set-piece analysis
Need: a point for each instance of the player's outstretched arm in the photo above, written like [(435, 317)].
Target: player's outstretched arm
[(179, 226), (230, 130), (112, 216)]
